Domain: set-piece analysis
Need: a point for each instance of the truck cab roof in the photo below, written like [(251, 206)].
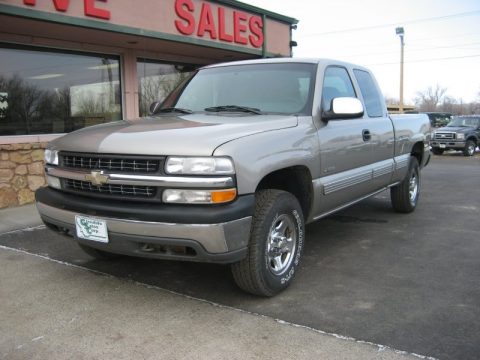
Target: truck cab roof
[(323, 62)]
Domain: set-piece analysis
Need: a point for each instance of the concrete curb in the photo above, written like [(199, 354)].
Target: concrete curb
[(17, 218)]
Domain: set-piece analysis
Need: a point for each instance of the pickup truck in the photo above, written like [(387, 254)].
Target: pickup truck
[(231, 166), (462, 133)]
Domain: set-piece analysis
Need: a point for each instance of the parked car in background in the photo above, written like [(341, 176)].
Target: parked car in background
[(439, 119), (462, 133)]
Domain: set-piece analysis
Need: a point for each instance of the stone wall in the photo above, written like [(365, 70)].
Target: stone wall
[(21, 173)]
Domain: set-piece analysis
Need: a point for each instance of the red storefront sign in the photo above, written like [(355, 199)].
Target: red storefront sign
[(88, 5), (247, 29), (213, 22)]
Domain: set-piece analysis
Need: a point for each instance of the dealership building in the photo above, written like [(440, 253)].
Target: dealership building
[(67, 64)]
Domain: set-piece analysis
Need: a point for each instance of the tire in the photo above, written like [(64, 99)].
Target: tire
[(275, 247), (404, 196), (97, 254), (437, 151), (469, 149)]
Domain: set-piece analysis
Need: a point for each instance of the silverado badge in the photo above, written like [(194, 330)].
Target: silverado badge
[(97, 178)]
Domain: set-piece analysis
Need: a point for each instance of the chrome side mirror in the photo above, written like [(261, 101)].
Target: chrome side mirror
[(344, 108)]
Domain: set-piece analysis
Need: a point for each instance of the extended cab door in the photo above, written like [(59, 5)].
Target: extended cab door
[(345, 148), (380, 127)]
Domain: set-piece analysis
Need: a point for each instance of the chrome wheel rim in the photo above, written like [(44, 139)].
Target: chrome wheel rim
[(471, 149), (413, 189), (281, 244)]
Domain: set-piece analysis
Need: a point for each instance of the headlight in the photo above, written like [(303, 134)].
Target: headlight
[(460, 136), (51, 157), (199, 165), (181, 196)]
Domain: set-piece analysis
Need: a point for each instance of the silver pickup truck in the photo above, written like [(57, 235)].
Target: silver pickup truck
[(232, 165)]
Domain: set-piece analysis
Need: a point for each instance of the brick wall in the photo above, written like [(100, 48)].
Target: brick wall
[(21, 173)]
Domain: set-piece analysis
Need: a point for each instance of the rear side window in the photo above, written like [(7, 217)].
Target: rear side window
[(370, 93), (336, 83), (473, 122)]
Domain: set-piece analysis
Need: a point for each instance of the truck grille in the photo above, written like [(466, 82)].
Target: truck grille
[(110, 189), (119, 164), (88, 163), (444, 136)]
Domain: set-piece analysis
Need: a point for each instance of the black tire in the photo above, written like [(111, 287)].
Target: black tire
[(469, 149), (405, 195), (97, 254), (438, 151), (272, 258)]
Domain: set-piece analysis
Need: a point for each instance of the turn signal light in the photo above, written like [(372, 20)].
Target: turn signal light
[(223, 196), (189, 196)]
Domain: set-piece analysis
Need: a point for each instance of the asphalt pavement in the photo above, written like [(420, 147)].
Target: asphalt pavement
[(369, 275)]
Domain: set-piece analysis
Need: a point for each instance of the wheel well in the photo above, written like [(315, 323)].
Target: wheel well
[(417, 151), (297, 180), (473, 139)]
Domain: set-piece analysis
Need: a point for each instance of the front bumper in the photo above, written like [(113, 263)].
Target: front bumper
[(213, 234), (459, 145)]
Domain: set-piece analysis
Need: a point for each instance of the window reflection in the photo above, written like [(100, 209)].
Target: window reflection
[(44, 92), (157, 80)]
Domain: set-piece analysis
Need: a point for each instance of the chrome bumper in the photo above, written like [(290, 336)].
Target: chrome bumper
[(445, 144)]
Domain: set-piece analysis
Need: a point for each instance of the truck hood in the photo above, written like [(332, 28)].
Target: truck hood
[(193, 134), (459, 129)]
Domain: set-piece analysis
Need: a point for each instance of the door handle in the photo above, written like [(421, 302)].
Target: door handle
[(366, 135)]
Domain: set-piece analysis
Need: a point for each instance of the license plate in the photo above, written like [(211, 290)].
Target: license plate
[(442, 146), (91, 229)]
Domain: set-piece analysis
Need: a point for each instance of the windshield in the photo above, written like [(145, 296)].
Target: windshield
[(257, 88), (462, 121)]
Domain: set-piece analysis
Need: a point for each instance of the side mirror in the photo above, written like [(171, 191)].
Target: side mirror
[(153, 107), (344, 108)]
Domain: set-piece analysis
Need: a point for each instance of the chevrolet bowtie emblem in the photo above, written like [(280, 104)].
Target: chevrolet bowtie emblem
[(97, 178)]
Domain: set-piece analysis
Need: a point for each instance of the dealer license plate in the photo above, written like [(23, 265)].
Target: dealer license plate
[(442, 146), (91, 229)]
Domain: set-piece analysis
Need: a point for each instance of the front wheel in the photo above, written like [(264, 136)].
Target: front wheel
[(469, 149), (437, 151), (404, 196), (275, 247)]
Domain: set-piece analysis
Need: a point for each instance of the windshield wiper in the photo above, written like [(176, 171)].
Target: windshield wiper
[(234, 108), (173, 110)]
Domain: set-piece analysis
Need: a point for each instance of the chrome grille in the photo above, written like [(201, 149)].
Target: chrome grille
[(111, 189), (444, 136), (110, 163)]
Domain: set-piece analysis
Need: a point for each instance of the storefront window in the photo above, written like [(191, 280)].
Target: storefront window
[(157, 80), (44, 92)]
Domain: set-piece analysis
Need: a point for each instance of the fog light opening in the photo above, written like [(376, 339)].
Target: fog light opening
[(174, 250)]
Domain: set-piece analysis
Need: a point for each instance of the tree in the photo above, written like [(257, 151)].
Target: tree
[(23, 106), (157, 87), (429, 99), (449, 105)]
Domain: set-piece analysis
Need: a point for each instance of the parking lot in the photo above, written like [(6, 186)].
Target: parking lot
[(410, 282)]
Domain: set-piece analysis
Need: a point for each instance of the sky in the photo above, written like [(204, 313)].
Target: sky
[(442, 40)]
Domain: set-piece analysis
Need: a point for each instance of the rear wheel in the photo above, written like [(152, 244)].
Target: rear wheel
[(405, 195), (469, 149), (96, 253), (437, 151), (275, 247)]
